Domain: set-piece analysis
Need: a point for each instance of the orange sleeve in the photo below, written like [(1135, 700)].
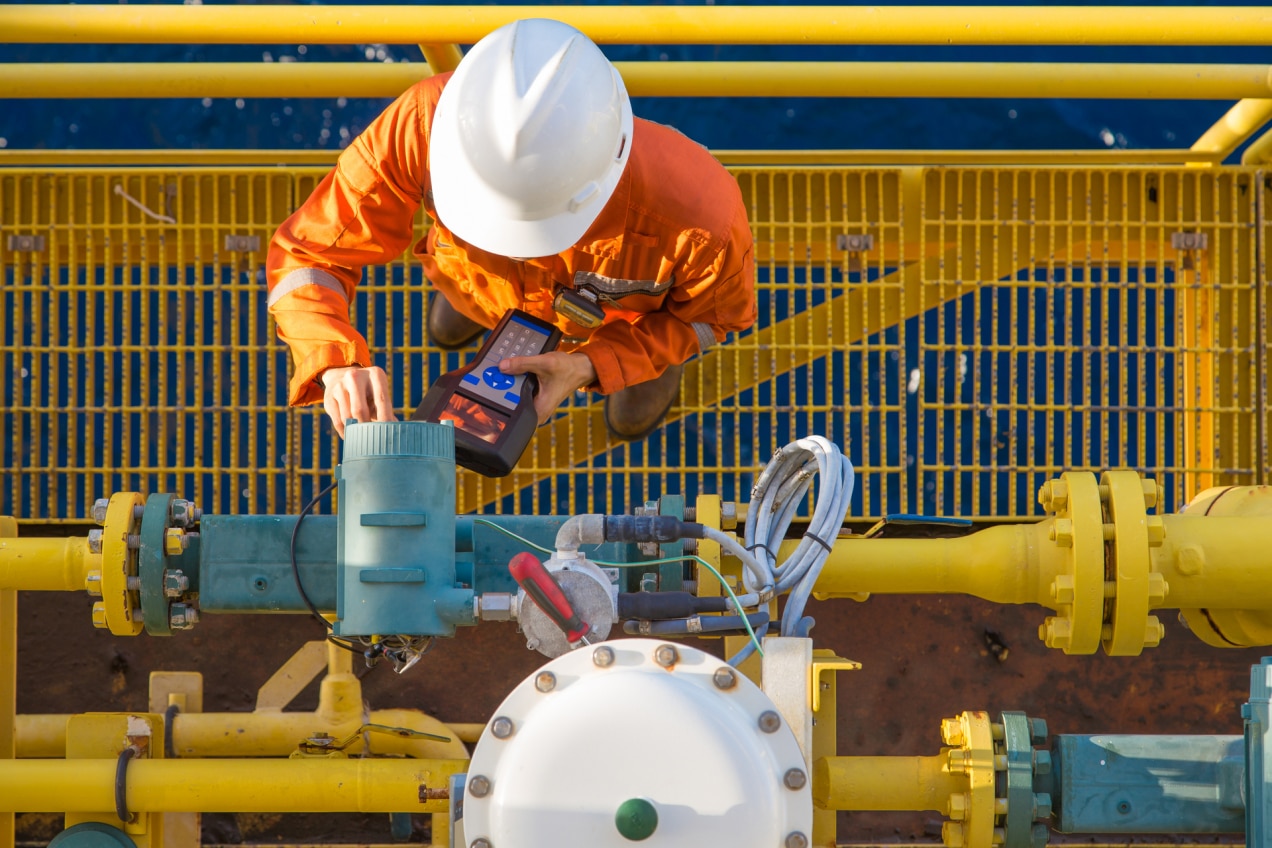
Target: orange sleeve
[(362, 213), (715, 297)]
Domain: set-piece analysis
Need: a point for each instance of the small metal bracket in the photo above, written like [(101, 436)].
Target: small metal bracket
[(854, 242), (26, 244), (821, 666), (1189, 241), (242, 244)]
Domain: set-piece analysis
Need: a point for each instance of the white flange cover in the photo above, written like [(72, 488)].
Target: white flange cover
[(606, 734)]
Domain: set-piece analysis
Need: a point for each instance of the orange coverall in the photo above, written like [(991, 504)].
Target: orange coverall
[(670, 255)]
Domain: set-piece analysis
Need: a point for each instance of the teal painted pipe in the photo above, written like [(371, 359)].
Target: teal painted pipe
[(1258, 775), (395, 546), (244, 565), (1149, 784)]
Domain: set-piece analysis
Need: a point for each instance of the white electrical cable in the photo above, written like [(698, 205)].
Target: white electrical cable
[(776, 498)]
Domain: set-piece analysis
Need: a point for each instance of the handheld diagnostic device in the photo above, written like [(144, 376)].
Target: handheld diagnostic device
[(493, 412)]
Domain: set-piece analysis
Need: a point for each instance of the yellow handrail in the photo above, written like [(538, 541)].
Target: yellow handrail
[(660, 79), (165, 24)]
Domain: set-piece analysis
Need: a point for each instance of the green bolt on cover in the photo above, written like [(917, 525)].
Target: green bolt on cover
[(636, 819)]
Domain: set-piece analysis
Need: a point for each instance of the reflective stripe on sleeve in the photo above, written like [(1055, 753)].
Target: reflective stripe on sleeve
[(706, 336), (306, 277)]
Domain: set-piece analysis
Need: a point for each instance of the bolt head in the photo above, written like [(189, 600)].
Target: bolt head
[(479, 786), (1037, 731), (93, 583), (1042, 762), (603, 657), (545, 681), (172, 541), (958, 806), (1062, 532), (794, 779), (952, 731), (952, 834), (95, 540), (666, 656), (957, 759), (501, 727), (770, 721), (182, 616), (1062, 589), (175, 583), (724, 678), (99, 615), (796, 840), (1038, 836), (1042, 806), (98, 511), (1156, 531)]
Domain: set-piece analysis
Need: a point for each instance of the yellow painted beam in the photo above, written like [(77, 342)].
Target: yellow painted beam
[(657, 79), (1260, 152), (1237, 124), (270, 24), (740, 158), (232, 786)]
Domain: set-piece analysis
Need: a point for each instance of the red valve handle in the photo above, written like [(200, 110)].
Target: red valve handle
[(543, 588)]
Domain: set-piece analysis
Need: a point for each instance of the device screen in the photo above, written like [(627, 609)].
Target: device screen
[(476, 420)]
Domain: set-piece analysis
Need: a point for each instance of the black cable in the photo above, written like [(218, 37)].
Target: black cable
[(169, 717), (121, 785), (304, 596), (816, 539)]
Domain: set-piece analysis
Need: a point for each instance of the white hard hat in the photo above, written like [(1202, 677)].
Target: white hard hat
[(529, 139)]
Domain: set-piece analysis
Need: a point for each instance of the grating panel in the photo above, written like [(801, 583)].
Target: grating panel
[(964, 334)]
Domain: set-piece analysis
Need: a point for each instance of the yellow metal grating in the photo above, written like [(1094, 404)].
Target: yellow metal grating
[(964, 334)]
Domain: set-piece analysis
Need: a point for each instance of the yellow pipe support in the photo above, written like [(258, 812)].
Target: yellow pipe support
[(659, 79), (271, 24), (1260, 152), (1237, 124), (441, 57), (8, 681), (46, 565), (738, 158), (230, 786), (885, 783)]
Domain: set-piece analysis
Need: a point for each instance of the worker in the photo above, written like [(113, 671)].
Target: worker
[(547, 196)]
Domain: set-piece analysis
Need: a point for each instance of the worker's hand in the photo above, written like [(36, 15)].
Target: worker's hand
[(358, 393), (560, 375)]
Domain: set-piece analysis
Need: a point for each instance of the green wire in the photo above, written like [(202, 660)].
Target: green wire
[(741, 612)]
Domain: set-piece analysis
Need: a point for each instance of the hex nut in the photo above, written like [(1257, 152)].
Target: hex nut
[(175, 583), (99, 615), (501, 727), (958, 806), (952, 731), (666, 656), (99, 509), (95, 540), (93, 583), (182, 616), (770, 721), (603, 657), (1037, 731), (172, 541), (545, 681), (496, 606), (724, 678), (795, 779), (479, 786), (728, 515), (952, 834), (1042, 762)]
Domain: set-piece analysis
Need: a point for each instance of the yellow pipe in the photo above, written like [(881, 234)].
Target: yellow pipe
[(1208, 562), (1239, 123), (885, 783), (659, 79), (270, 24), (100, 159), (238, 786), (46, 565)]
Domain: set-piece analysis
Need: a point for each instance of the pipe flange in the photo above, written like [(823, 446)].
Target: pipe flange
[(119, 604), (152, 562), (1078, 593), (1130, 568), (1014, 741), (973, 812)]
